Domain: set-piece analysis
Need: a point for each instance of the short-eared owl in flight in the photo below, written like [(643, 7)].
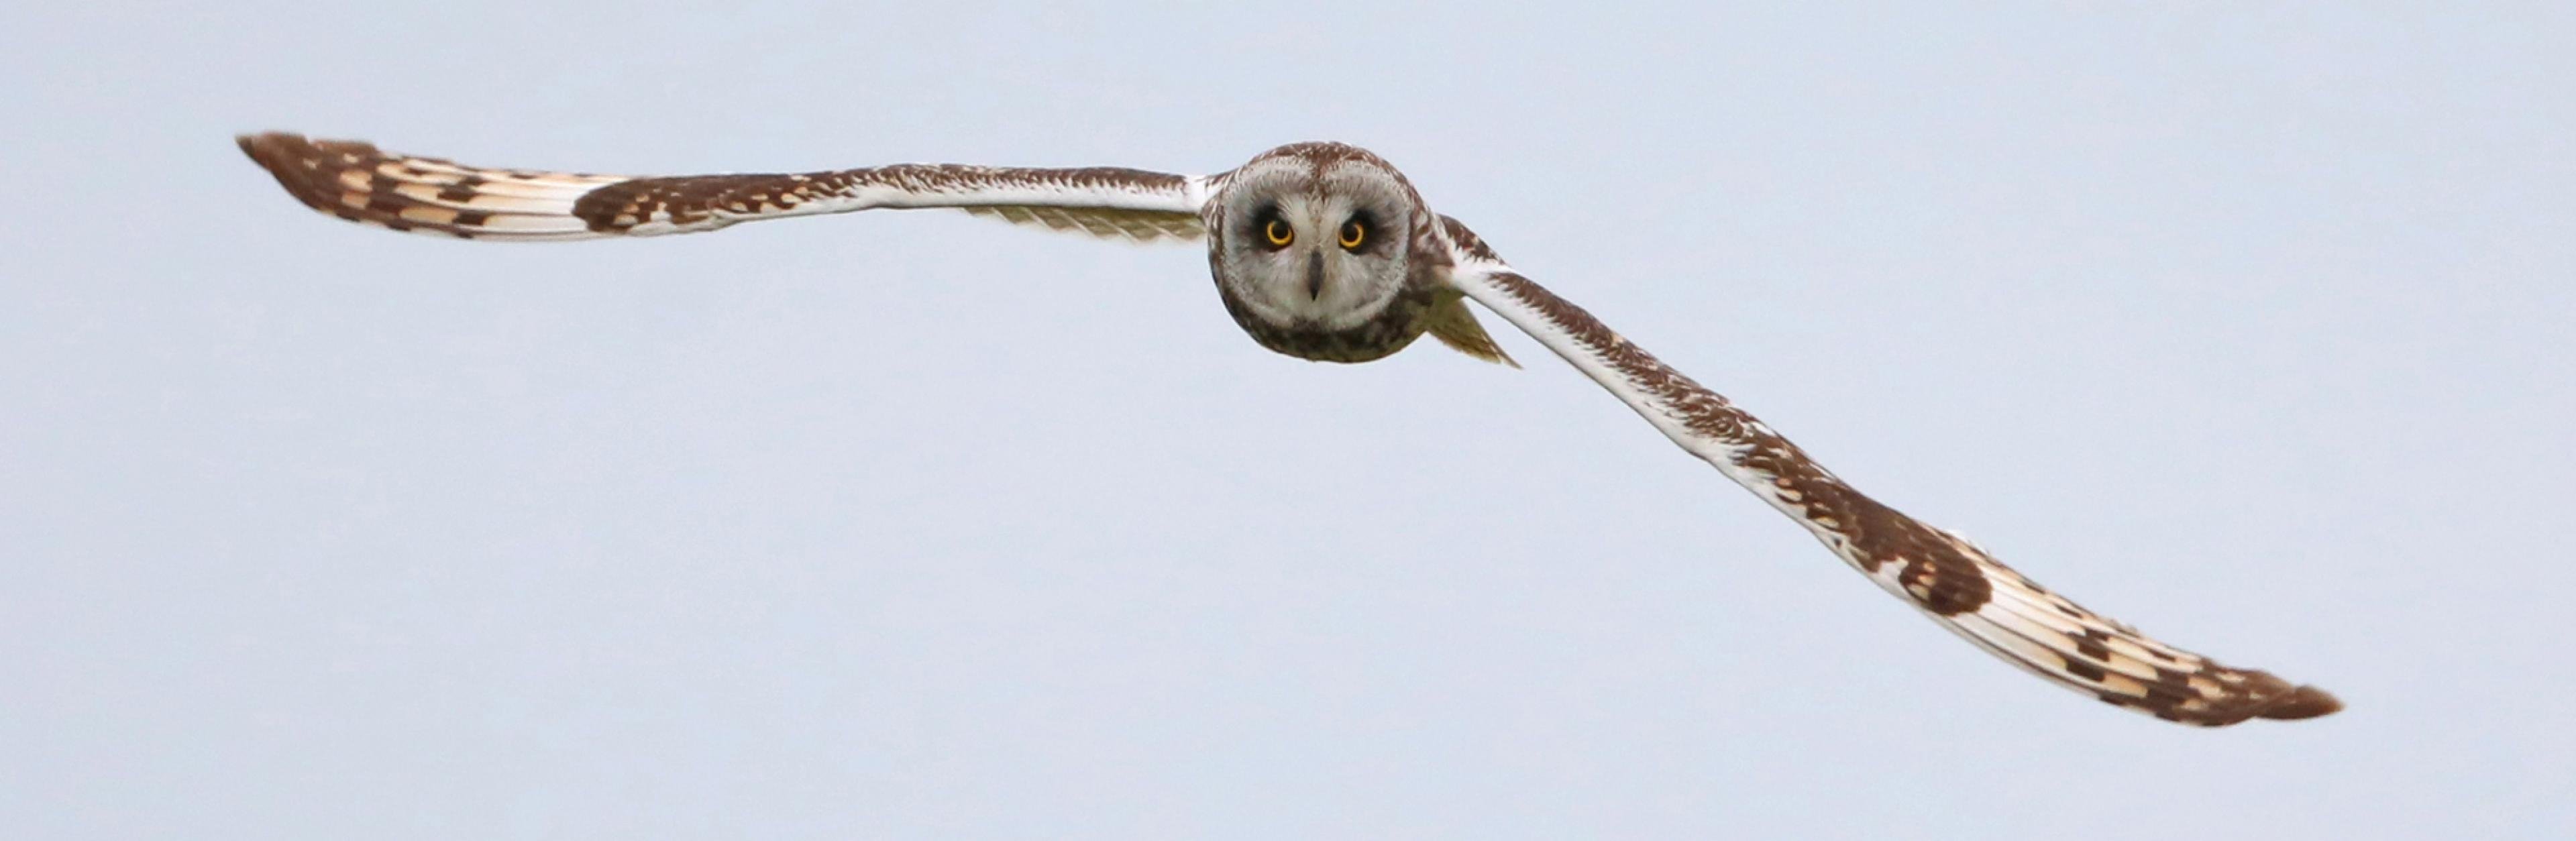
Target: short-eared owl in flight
[(1323, 251)]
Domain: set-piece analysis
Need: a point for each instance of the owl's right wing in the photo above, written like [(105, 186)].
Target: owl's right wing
[(360, 183), (1942, 574)]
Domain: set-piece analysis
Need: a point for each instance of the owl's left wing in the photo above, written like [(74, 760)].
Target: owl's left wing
[(1948, 578), (360, 183)]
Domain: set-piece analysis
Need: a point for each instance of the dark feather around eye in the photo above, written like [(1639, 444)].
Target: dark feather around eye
[(1359, 232), (1261, 218)]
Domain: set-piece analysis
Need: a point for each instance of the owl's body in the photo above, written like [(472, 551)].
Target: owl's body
[(1323, 251)]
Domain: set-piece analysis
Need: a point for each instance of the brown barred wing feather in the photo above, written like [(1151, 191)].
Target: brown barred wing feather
[(1945, 576), (357, 182), (360, 183)]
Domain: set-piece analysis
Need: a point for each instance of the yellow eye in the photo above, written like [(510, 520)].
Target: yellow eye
[(1279, 233), (1353, 234)]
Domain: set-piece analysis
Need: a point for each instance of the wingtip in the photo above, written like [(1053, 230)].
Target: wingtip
[(256, 145), (262, 145), (2303, 702), (275, 151)]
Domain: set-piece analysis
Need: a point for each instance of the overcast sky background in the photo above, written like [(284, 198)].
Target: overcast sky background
[(2248, 327)]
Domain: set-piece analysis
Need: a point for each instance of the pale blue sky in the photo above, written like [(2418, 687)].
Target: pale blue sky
[(2248, 327)]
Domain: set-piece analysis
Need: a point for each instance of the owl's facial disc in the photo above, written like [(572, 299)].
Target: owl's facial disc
[(1309, 248)]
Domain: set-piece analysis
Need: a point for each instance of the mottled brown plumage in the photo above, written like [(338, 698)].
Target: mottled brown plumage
[(1324, 251)]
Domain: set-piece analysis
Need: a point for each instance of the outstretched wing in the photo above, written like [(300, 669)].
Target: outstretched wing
[(360, 183), (1947, 577)]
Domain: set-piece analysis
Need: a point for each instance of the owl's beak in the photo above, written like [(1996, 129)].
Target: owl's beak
[(1314, 275)]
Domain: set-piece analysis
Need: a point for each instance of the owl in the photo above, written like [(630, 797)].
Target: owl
[(1324, 251)]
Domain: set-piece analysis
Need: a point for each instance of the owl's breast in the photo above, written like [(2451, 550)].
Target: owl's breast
[(1389, 331)]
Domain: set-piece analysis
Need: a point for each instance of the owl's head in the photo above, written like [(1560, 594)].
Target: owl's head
[(1314, 236)]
